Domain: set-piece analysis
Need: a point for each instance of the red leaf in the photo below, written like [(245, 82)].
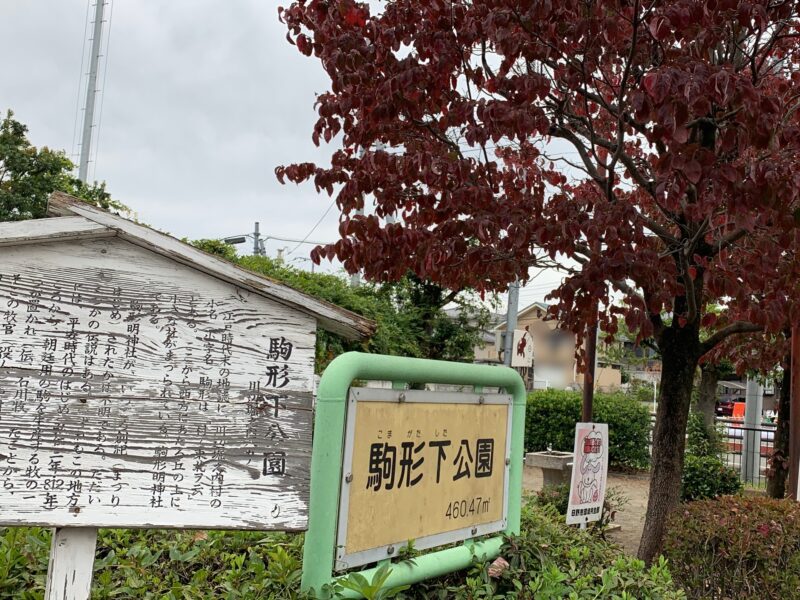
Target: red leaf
[(693, 171), (304, 44), (659, 28), (355, 17)]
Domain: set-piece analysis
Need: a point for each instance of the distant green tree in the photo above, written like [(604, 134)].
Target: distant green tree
[(29, 175), (410, 314), (216, 247)]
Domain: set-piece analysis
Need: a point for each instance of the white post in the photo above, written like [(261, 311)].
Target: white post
[(69, 574), (751, 440), (655, 395)]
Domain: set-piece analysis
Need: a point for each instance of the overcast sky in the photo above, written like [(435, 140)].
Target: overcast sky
[(203, 99)]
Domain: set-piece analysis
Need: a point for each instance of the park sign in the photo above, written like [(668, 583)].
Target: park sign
[(144, 383), (589, 473), (399, 467), (427, 467)]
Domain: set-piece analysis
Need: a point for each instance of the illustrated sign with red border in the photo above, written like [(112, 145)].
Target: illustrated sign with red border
[(589, 473)]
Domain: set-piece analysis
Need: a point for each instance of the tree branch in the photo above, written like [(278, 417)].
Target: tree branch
[(727, 331), (728, 240)]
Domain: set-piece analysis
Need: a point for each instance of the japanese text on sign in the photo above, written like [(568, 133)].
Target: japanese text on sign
[(589, 473), (116, 399), (420, 469)]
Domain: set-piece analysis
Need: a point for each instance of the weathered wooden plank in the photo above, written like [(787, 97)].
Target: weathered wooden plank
[(54, 229), (331, 317), (135, 392), (69, 574)]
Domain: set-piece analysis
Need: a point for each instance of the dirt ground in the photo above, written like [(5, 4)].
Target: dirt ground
[(630, 518)]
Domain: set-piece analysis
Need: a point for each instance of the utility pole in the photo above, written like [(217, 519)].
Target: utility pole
[(511, 322), (588, 377), (91, 92), (751, 438), (256, 241), (355, 278)]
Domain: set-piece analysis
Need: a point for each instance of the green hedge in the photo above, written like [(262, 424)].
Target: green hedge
[(736, 547), (551, 416), (548, 560), (707, 477)]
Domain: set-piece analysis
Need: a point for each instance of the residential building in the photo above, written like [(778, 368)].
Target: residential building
[(555, 365)]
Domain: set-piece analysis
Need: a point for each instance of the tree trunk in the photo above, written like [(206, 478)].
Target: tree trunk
[(707, 393), (778, 463), (680, 348)]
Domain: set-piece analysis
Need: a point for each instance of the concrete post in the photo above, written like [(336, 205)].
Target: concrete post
[(751, 440)]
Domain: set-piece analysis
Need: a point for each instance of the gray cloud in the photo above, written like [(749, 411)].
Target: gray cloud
[(203, 99)]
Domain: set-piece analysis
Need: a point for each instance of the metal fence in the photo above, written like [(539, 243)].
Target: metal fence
[(747, 449)]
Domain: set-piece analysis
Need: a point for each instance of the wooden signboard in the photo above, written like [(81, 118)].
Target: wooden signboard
[(138, 392), (424, 466)]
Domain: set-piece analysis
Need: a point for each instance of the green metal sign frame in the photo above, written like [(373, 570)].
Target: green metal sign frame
[(326, 461)]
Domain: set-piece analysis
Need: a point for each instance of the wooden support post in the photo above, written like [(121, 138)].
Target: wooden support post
[(589, 373), (794, 416), (69, 574)]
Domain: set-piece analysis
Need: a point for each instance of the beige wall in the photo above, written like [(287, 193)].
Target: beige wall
[(553, 355)]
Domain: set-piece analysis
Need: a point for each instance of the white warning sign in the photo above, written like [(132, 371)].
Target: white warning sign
[(589, 473)]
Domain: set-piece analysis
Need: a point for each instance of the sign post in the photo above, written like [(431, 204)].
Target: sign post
[(587, 490), (372, 493)]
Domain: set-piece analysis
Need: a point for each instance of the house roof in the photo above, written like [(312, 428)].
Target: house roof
[(524, 312), (72, 219)]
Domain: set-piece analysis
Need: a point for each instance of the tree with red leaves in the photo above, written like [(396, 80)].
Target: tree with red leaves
[(647, 148)]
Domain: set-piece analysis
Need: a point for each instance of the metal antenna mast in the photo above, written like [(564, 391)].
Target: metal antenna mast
[(91, 91)]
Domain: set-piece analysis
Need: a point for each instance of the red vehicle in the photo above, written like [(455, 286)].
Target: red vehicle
[(724, 407)]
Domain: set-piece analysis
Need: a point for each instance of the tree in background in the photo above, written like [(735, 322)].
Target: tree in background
[(28, 175), (410, 314), (674, 182)]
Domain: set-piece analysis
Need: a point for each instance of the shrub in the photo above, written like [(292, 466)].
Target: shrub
[(557, 496), (707, 477), (168, 564), (736, 547), (552, 414), (548, 560), (701, 440)]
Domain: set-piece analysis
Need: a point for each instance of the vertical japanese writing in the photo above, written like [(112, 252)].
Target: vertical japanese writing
[(113, 396)]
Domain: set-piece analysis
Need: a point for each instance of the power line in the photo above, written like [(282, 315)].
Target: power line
[(308, 235)]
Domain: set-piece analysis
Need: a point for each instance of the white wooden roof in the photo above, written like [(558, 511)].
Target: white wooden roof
[(71, 219)]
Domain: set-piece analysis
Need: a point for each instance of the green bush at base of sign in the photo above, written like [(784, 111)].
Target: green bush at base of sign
[(557, 496), (551, 415), (736, 547), (549, 560)]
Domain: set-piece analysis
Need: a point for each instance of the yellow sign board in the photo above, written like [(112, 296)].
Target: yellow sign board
[(430, 468)]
